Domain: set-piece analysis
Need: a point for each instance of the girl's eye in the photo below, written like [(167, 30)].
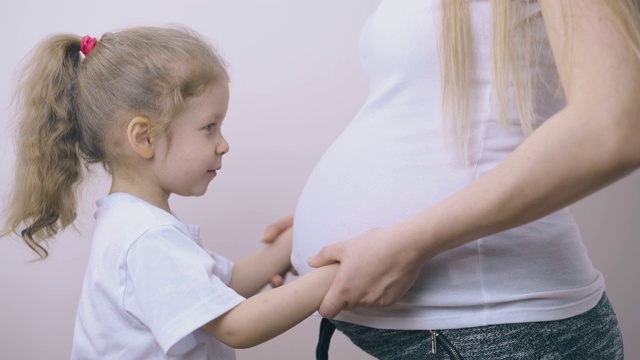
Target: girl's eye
[(210, 127)]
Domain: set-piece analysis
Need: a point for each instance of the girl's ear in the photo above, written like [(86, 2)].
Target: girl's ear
[(140, 138)]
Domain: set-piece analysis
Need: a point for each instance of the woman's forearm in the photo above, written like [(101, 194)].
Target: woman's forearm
[(588, 145), (571, 156)]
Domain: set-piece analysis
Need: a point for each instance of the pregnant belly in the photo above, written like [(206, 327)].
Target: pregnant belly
[(370, 178)]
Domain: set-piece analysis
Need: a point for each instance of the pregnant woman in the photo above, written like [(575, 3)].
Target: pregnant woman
[(445, 199)]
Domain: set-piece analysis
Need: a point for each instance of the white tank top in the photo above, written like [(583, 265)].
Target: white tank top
[(391, 162)]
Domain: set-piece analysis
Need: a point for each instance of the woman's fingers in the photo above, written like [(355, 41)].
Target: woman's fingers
[(373, 272)]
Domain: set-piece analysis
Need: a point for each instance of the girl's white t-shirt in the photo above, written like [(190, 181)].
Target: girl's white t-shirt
[(149, 287), (393, 161)]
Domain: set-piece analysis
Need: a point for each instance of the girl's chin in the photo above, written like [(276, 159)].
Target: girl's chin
[(194, 192)]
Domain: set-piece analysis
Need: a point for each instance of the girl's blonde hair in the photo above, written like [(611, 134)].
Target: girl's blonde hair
[(514, 55), (73, 110)]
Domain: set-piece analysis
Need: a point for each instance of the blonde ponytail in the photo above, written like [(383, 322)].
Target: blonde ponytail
[(48, 167)]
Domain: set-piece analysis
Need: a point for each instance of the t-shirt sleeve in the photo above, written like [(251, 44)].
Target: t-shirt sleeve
[(174, 288), (224, 266)]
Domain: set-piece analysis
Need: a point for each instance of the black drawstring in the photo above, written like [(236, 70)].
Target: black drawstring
[(324, 339)]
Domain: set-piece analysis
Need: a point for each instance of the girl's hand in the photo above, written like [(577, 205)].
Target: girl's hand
[(278, 280), (267, 266), (284, 237), (280, 228), (375, 270)]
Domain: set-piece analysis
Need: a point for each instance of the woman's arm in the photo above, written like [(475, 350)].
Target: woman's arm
[(253, 272), (273, 312), (588, 145)]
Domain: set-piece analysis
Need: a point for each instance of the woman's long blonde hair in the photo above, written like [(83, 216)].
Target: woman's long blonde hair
[(513, 58), (73, 111)]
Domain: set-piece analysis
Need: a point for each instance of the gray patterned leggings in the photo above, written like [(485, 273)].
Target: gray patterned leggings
[(592, 335)]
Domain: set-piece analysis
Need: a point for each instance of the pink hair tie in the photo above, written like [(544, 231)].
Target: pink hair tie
[(87, 44)]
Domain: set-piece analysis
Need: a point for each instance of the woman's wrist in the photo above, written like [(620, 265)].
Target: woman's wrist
[(416, 239)]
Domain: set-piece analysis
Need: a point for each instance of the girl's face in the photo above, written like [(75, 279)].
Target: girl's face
[(191, 154)]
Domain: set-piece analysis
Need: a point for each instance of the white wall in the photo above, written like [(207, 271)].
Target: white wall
[(296, 82)]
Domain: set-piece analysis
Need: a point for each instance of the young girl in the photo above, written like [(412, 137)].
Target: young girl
[(147, 103)]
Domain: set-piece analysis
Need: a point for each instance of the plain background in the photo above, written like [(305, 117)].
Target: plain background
[(296, 82)]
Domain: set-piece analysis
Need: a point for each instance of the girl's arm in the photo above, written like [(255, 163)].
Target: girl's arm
[(585, 147), (273, 312), (252, 273)]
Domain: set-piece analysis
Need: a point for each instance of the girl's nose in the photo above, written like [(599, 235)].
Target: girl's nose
[(223, 147)]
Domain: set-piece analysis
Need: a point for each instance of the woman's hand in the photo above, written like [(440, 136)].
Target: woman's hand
[(375, 270), (282, 226)]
